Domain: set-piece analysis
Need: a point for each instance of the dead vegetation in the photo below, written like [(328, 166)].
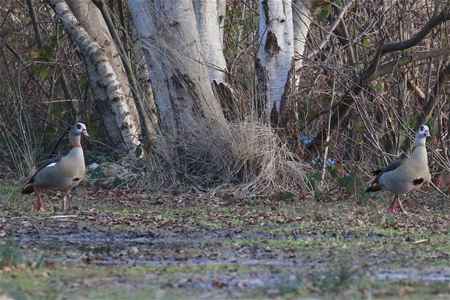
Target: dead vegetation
[(203, 244), (252, 157), (45, 82)]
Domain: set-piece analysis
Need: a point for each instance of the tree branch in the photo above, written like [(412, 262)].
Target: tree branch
[(363, 80), (405, 60), (335, 22), (434, 96), (148, 129), (419, 36)]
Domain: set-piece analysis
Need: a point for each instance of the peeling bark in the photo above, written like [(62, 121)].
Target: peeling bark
[(183, 94), (283, 28), (116, 109), (211, 45), (276, 54), (211, 42)]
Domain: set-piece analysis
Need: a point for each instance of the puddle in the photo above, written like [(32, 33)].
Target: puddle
[(69, 243), (412, 275), (114, 247), (87, 236), (82, 236), (184, 262), (63, 240)]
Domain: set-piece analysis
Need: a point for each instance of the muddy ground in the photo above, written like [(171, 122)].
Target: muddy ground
[(136, 245)]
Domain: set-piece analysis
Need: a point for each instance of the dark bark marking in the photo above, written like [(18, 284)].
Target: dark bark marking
[(274, 115), (271, 45)]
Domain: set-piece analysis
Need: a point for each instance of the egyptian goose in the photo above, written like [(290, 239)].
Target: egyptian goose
[(404, 175), (61, 174)]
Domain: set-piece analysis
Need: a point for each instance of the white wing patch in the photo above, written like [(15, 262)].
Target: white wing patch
[(51, 165)]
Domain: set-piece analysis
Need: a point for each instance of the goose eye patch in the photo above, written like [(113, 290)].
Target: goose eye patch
[(78, 126)]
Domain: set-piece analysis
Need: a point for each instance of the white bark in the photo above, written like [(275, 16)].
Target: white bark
[(183, 94), (117, 111), (143, 14), (283, 29), (92, 21), (276, 52), (146, 88), (221, 11), (302, 20), (206, 12)]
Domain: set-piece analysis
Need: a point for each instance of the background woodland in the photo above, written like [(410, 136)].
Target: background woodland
[(271, 96)]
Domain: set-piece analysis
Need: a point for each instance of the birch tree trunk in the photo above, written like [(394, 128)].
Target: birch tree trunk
[(112, 95), (302, 16), (207, 14), (221, 11), (181, 86), (207, 18), (275, 55), (145, 86), (283, 28)]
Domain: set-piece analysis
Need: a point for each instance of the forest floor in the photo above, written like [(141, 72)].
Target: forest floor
[(138, 245)]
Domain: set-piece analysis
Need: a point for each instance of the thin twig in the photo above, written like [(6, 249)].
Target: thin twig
[(325, 154), (336, 20)]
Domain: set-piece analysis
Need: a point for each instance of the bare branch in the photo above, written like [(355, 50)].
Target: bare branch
[(342, 108), (419, 36), (405, 60), (335, 22), (417, 90), (434, 96)]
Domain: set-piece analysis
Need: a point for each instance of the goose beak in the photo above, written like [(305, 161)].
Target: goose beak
[(85, 133), (427, 133)]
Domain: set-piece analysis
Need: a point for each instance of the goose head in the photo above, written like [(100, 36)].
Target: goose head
[(422, 134)]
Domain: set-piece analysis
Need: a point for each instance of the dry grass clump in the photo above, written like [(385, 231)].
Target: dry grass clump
[(263, 163), (17, 138), (249, 155)]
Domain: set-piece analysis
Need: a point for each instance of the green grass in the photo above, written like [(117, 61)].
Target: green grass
[(255, 248), (175, 282), (10, 254)]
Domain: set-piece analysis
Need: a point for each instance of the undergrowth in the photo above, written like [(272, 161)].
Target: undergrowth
[(251, 156)]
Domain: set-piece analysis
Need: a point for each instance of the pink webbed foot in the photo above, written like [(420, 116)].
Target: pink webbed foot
[(394, 210), (396, 206), (393, 206)]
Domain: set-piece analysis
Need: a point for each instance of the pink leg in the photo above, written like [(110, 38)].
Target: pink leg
[(396, 206), (64, 201), (38, 204), (393, 206), (400, 206)]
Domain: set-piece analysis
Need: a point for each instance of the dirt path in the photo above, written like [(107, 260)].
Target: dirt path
[(211, 250)]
